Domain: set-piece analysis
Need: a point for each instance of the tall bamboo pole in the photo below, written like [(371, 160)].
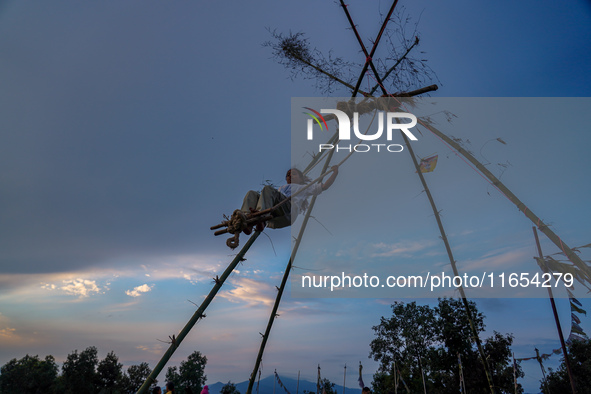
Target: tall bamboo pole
[(555, 312), (543, 371), (318, 381), (283, 284), (176, 341), (453, 265)]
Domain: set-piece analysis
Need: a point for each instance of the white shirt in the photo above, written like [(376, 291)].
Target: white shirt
[(300, 202)]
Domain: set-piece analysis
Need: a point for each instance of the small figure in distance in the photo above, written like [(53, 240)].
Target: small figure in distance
[(288, 212), (157, 390)]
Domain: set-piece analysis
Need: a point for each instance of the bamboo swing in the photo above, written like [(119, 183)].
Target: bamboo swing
[(367, 106)]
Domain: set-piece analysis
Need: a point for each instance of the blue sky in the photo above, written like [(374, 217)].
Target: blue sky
[(128, 129)]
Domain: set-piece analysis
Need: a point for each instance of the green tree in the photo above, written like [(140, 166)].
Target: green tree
[(29, 375), (405, 338), (110, 374), (135, 376), (192, 372), (579, 354), (173, 376), (229, 388), (427, 343), (325, 387), (79, 372)]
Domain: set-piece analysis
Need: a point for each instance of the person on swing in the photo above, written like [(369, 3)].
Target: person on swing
[(269, 197)]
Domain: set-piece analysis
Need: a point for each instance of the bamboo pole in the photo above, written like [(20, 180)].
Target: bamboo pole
[(543, 370), (344, 378), (318, 381), (453, 265), (360, 41), (373, 49), (555, 312), (176, 341), (283, 284)]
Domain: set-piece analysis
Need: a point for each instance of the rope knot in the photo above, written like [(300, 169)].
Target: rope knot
[(237, 222)]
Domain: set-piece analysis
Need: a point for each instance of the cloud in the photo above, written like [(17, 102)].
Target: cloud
[(251, 292), (136, 292), (80, 287), (400, 248), (500, 260), (223, 336), (48, 286), (194, 268), (7, 332), (155, 349)]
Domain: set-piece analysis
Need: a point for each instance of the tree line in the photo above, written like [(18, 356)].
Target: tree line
[(418, 348), (431, 348), (82, 372)]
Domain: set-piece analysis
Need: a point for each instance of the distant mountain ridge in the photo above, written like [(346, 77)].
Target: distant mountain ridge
[(266, 386)]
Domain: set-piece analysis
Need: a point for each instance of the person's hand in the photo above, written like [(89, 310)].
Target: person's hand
[(335, 169)]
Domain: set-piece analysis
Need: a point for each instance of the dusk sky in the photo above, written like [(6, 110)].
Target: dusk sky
[(128, 129)]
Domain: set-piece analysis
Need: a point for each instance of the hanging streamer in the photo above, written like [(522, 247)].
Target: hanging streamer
[(360, 380), (281, 383), (576, 331)]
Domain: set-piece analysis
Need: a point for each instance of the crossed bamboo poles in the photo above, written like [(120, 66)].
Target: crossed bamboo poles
[(219, 281)]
